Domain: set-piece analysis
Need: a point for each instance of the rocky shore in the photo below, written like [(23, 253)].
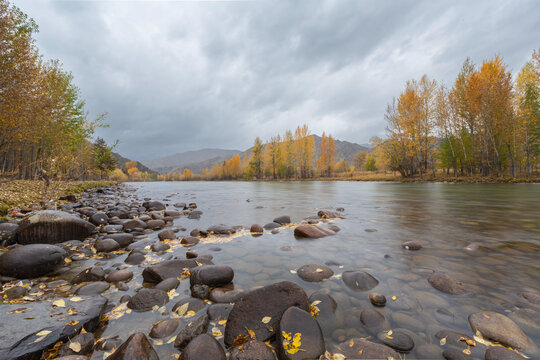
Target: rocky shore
[(68, 274)]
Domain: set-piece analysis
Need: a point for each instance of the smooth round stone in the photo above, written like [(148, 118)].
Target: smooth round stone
[(167, 235), (136, 346), (359, 280), (447, 284), (224, 295), (211, 275), (367, 350), (160, 247), (256, 229), (31, 260), (191, 255), (93, 288), (372, 319), (219, 311), (314, 272), (190, 241), (412, 245), (164, 328), (95, 273), (325, 306), (377, 299), (397, 340), (123, 239), (106, 245), (300, 325), (500, 328), (135, 258), (194, 304), (16, 292), (120, 275), (203, 347), (251, 350), (168, 284), (99, 218), (146, 299)]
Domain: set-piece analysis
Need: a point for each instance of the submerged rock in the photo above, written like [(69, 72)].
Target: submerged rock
[(312, 231), (51, 227), (283, 220), (359, 280), (500, 328), (365, 349), (167, 269), (269, 301), (299, 336), (164, 328), (31, 260), (314, 272), (447, 284)]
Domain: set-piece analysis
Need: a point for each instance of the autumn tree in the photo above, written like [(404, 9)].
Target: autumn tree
[(360, 159), (256, 160), (304, 151), (328, 155)]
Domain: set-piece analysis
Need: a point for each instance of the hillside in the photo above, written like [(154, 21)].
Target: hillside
[(121, 163), (197, 161)]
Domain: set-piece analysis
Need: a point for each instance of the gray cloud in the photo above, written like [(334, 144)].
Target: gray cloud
[(177, 76)]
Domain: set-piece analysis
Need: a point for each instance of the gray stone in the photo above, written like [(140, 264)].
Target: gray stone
[(51, 227)]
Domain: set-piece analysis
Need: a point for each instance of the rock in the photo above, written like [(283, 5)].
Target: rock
[(173, 213), (191, 254), (93, 288), (334, 228), (271, 226), (155, 224), (168, 284), (164, 328), (377, 299), (256, 229), (282, 220), (166, 235), (81, 344), (153, 206), (99, 218), (211, 275), (314, 272), (325, 305), (501, 353), (325, 214), (132, 224), (447, 284), (200, 291), (221, 229), (527, 317), (532, 298), (95, 273), (180, 205), (365, 349), (195, 214), (124, 239), (224, 295), (192, 205), (499, 328), (106, 245), (120, 275), (372, 319), (51, 227), (193, 304), (146, 299), (160, 247), (189, 241), (359, 280), (137, 347), (269, 301), (191, 331), (15, 292), (8, 231), (251, 350), (308, 345), (219, 311), (311, 231), (397, 339), (203, 347), (31, 260), (135, 258), (454, 354), (412, 245), (20, 341), (167, 269)]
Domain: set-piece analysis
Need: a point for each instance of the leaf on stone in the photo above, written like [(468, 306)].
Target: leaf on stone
[(251, 334), (319, 270), (76, 299), (43, 333), (443, 341), (59, 303), (467, 351), (158, 342), (75, 346), (222, 322), (266, 319), (240, 339), (394, 297), (73, 323)]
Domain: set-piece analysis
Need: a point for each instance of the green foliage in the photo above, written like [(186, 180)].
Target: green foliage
[(370, 163), (4, 208), (104, 161)]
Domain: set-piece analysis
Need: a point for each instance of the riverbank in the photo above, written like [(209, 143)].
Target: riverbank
[(25, 193)]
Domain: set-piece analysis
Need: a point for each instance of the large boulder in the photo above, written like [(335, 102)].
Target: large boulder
[(8, 232), (167, 269), (299, 336), (31, 261), (500, 328), (40, 326), (137, 347), (267, 302), (51, 227)]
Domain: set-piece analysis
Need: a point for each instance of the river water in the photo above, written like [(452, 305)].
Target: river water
[(502, 221)]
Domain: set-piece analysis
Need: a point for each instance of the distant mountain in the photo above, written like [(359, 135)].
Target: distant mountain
[(197, 161), (121, 163), (192, 160)]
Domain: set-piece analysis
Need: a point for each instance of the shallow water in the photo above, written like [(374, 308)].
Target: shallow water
[(504, 219)]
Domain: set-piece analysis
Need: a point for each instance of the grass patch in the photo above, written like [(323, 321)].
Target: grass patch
[(4, 208)]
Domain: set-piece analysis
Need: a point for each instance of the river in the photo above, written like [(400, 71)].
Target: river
[(501, 221)]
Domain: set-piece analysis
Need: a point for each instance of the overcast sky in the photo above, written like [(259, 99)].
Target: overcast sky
[(176, 76)]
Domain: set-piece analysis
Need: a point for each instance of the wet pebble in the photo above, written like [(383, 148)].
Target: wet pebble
[(203, 347), (164, 328), (146, 299), (377, 299), (120, 275), (93, 288), (397, 340), (314, 272)]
